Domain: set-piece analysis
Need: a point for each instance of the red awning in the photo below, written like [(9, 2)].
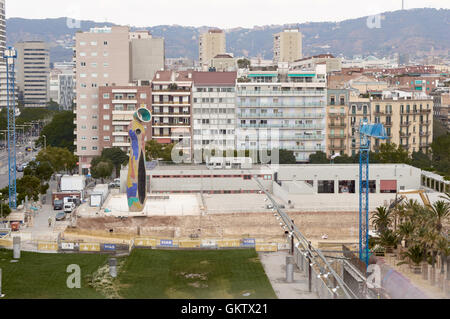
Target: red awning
[(388, 185)]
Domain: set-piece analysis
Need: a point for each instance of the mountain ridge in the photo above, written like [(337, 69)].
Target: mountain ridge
[(415, 31)]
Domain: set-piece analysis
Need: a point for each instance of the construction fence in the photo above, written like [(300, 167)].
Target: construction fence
[(102, 246)]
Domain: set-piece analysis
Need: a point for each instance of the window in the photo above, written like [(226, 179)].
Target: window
[(106, 95), (106, 138), (326, 187), (94, 43), (106, 106), (105, 127), (94, 54), (347, 187), (143, 95), (106, 117)]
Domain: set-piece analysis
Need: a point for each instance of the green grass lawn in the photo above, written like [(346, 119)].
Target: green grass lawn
[(44, 276), (194, 275), (144, 274)]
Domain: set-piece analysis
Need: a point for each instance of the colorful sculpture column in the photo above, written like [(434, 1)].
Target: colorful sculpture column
[(136, 182)]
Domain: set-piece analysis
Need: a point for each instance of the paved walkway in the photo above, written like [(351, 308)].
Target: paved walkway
[(275, 266)]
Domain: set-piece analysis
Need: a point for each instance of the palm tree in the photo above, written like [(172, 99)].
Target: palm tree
[(381, 219), (406, 231), (388, 239), (446, 196), (443, 247), (439, 211), (414, 254)]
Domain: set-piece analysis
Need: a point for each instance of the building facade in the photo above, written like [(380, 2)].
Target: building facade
[(147, 55), (288, 46), (214, 111), (33, 73), (102, 58), (212, 43), (117, 105), (292, 106), (337, 111), (172, 109)]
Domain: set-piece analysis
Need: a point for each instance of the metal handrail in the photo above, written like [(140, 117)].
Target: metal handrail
[(306, 244)]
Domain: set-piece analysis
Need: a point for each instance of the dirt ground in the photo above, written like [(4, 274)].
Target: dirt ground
[(336, 225)]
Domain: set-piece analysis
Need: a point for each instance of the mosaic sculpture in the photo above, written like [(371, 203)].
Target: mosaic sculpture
[(136, 181)]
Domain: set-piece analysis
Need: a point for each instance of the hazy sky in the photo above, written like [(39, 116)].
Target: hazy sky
[(220, 13)]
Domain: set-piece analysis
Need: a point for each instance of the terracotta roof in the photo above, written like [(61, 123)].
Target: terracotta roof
[(221, 56), (215, 78)]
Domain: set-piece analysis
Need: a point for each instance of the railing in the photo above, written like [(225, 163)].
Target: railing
[(275, 93), (405, 123), (322, 278), (271, 104), (337, 136), (337, 125), (302, 137), (298, 126)]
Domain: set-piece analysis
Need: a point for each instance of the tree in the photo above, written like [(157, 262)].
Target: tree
[(390, 153), (156, 151), (439, 211), (441, 155), (343, 159), (381, 219), (42, 170), (318, 158), (59, 132), (243, 63), (53, 106), (59, 158), (421, 160), (116, 156), (287, 157), (101, 168), (28, 186)]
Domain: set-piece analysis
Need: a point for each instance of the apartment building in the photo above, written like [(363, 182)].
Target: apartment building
[(214, 111), (408, 120), (117, 105), (147, 55), (337, 111), (223, 63), (333, 64), (441, 99), (292, 103), (33, 73), (172, 109), (359, 110), (102, 58), (212, 43), (288, 46)]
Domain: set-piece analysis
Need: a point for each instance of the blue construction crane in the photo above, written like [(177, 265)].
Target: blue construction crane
[(366, 132), (10, 55)]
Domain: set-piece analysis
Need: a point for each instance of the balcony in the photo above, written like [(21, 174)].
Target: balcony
[(306, 148), (278, 105), (424, 134), (283, 126), (281, 93), (404, 134), (337, 147), (388, 124), (302, 138), (336, 115), (379, 113), (425, 123), (337, 125), (335, 136), (171, 124), (279, 115), (183, 114), (405, 123)]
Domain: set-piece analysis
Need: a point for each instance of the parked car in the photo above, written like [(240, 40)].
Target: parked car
[(28, 149), (60, 216), (20, 168), (58, 204), (69, 207)]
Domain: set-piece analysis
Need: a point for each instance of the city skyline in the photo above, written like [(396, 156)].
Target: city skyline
[(151, 14)]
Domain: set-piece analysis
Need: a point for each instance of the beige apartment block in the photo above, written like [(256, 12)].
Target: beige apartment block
[(102, 58), (212, 43), (337, 124), (147, 55), (287, 46), (33, 72), (408, 122)]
